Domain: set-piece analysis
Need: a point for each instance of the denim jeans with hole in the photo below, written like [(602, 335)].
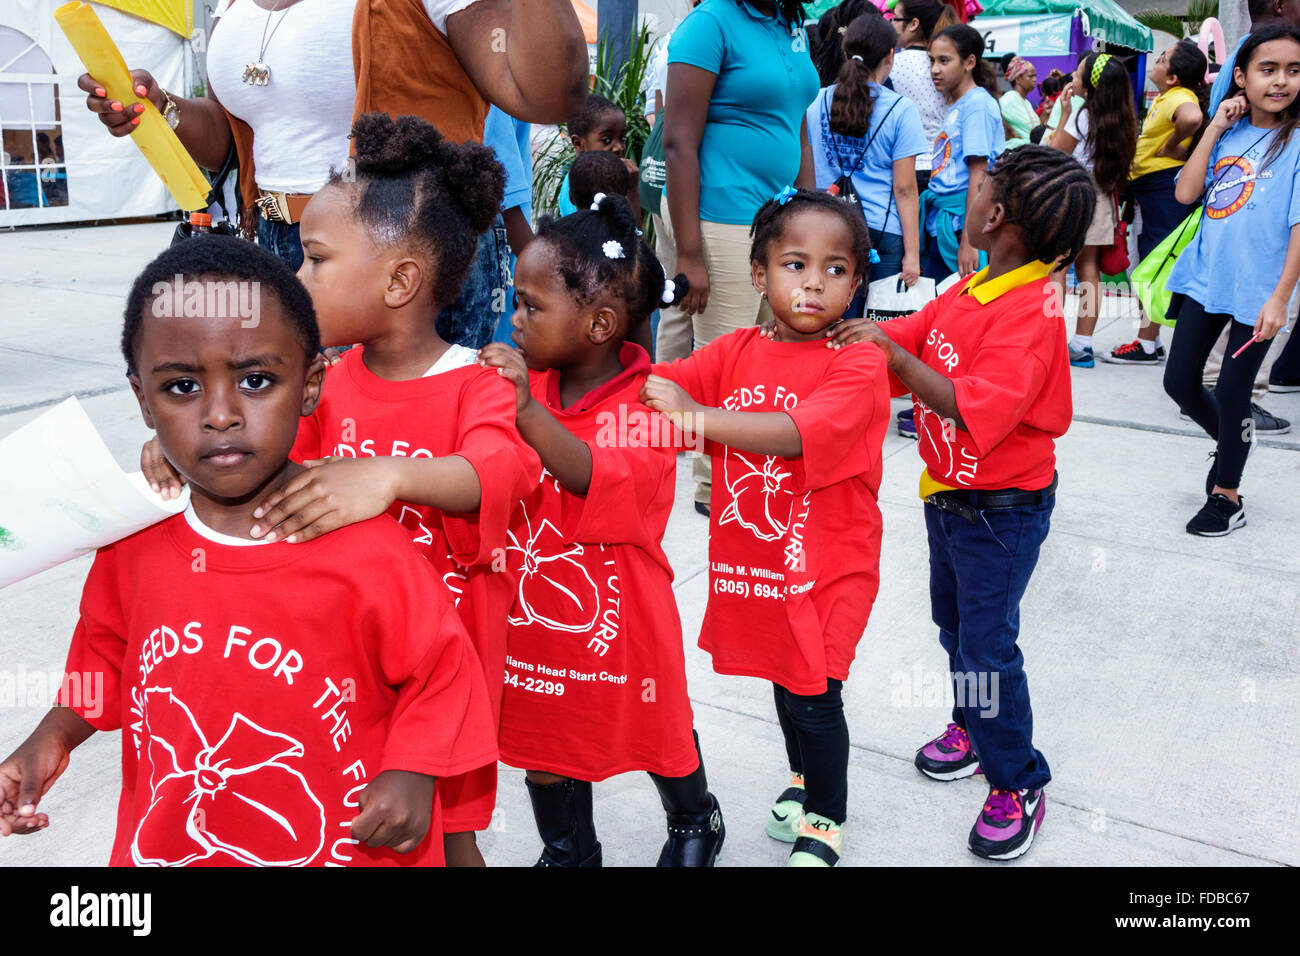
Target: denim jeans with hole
[(978, 575), (484, 297)]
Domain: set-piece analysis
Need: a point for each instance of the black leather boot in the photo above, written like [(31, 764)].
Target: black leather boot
[(564, 820), (695, 827)]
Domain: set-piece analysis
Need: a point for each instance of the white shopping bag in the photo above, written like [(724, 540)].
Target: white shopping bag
[(948, 283), (888, 298)]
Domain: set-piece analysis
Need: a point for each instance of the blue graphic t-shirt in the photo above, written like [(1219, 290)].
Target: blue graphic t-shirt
[(971, 130), (1229, 267)]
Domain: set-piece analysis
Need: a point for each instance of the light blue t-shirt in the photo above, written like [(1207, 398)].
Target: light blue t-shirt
[(564, 203), (1223, 81), (972, 129), (766, 79), (1232, 264), (895, 132), (508, 137)]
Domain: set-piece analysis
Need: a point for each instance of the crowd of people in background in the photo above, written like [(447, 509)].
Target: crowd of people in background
[(804, 167)]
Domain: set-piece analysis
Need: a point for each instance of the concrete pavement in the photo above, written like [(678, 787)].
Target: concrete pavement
[(1163, 667)]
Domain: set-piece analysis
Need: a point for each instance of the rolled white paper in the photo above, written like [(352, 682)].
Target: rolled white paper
[(62, 494)]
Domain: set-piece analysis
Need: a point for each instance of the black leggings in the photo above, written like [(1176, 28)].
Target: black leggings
[(1225, 415), (817, 743)]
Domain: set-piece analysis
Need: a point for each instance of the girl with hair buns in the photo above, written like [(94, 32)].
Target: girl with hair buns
[(860, 129), (409, 424), (595, 676)]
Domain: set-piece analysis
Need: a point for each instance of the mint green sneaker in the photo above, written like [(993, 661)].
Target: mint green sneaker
[(818, 842), (783, 821)]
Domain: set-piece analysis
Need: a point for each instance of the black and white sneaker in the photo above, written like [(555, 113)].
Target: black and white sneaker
[(1266, 423), (1284, 384), (1218, 517)]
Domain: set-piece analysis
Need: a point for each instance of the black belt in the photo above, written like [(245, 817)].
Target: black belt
[(968, 504)]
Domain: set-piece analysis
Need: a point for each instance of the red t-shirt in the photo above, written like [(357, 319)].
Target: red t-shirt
[(595, 677), (794, 543), (260, 688), (467, 411), (1011, 374)]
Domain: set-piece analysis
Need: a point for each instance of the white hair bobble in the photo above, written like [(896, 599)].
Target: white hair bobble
[(856, 57), (614, 250), (595, 201), (670, 290)]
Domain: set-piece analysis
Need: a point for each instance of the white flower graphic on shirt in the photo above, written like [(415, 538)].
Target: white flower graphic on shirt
[(555, 589), (237, 796), (761, 501)]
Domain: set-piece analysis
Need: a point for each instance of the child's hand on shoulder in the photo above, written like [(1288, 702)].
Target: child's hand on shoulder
[(850, 331), (666, 396), (158, 471), (331, 493), (395, 810), (510, 363)]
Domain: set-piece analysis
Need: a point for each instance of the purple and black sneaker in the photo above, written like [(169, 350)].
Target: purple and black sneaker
[(1007, 824), (948, 756)]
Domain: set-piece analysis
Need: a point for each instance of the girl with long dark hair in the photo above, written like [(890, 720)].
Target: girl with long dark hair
[(1169, 133), (1246, 165), (1102, 135), (914, 22), (860, 129)]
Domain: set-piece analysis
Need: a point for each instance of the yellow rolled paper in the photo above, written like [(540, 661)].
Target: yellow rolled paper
[(102, 59)]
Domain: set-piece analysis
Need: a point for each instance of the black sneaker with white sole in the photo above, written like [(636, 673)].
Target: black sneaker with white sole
[(1218, 517), (1131, 353), (1284, 384), (1266, 423)]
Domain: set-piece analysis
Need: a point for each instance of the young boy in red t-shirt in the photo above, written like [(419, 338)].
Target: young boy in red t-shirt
[(257, 728), (987, 367)]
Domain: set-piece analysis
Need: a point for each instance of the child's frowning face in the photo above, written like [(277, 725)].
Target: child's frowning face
[(608, 134), (225, 399), (809, 276)]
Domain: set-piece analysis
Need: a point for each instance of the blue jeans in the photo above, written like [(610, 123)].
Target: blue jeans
[(282, 240), (817, 745), (978, 574), (471, 320)]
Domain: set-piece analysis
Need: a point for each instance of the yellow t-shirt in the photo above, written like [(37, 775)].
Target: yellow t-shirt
[(1156, 128)]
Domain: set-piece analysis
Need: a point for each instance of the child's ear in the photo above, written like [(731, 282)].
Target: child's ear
[(758, 275), (405, 280), (138, 389), (603, 325), (997, 218), (1239, 76), (577, 142), (311, 387)]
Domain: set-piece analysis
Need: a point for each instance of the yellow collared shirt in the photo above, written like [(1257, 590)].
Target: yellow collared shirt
[(985, 290)]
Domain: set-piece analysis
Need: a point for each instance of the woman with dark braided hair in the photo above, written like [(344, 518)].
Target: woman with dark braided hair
[(990, 383), (1102, 135)]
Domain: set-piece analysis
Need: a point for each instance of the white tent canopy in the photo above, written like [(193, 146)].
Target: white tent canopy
[(62, 165)]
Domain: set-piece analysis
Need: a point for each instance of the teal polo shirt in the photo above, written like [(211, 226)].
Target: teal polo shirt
[(766, 80)]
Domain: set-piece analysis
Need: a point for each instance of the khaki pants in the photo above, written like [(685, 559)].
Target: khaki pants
[(674, 339), (1215, 361), (734, 304)]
